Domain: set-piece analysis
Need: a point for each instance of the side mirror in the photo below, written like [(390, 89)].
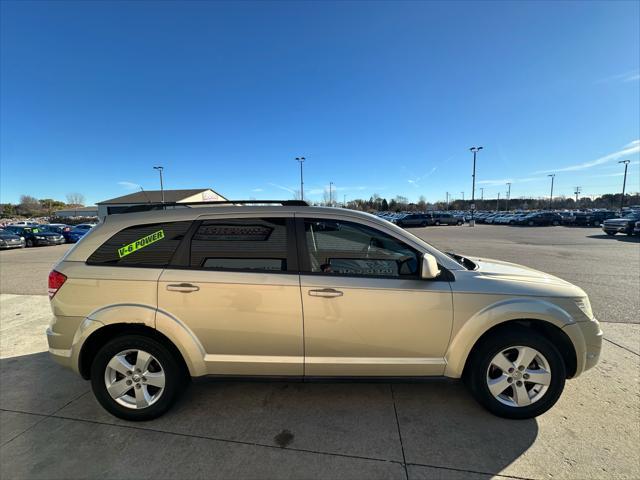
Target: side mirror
[(429, 267)]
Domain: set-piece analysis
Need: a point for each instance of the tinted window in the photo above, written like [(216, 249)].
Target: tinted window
[(255, 244), (346, 248), (150, 245)]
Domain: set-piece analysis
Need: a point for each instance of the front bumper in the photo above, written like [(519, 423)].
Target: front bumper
[(587, 341), (7, 246), (615, 228)]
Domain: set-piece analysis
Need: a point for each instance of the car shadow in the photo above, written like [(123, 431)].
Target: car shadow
[(433, 423), (620, 237)]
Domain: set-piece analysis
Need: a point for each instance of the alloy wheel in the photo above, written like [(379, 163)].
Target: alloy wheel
[(518, 376), (134, 378)]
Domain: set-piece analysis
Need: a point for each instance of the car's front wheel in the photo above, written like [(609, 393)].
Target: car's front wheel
[(135, 377), (516, 373)]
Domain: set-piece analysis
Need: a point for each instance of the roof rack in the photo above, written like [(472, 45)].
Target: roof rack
[(144, 207)]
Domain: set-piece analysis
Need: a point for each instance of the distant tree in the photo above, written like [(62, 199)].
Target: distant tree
[(8, 210), (384, 205), (75, 199), (28, 206)]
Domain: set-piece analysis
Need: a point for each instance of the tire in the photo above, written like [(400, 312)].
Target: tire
[(437, 224), (459, 223), (423, 224), (531, 224), (610, 233), (169, 367), (29, 243), (556, 223), (481, 369)]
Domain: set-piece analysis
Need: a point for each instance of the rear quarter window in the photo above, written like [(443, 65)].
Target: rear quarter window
[(150, 245)]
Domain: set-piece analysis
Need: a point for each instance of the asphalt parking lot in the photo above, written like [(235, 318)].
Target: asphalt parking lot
[(51, 427)]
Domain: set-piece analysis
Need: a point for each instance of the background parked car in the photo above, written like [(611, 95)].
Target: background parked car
[(447, 219), (9, 239), (416, 220), (78, 232), (540, 218), (588, 219), (60, 228), (35, 236), (625, 224)]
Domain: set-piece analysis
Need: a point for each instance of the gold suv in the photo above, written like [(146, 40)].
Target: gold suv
[(147, 300)]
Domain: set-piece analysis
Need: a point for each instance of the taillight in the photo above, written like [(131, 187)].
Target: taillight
[(56, 280)]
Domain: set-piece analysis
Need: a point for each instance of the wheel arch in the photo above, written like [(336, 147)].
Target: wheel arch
[(541, 316)]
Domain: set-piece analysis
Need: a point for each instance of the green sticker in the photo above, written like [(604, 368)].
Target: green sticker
[(141, 243)]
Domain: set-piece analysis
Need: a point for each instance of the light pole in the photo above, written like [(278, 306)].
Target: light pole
[(300, 160), (330, 194), (474, 150), (160, 169), (553, 176), (577, 192), (447, 200), (624, 182), (498, 203), (508, 194), (481, 193), (462, 196)]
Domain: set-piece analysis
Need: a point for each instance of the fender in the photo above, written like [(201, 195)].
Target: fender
[(177, 332), (495, 314)]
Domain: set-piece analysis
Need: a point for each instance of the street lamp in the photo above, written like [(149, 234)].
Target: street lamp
[(553, 176), (508, 194), (330, 194), (300, 160), (474, 150), (481, 193), (624, 182), (160, 169)]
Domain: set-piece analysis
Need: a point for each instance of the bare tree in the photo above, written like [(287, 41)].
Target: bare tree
[(75, 199), (28, 205)]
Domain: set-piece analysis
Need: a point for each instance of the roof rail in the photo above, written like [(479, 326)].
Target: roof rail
[(144, 207)]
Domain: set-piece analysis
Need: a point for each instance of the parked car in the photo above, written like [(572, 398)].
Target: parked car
[(636, 229), (416, 220), (540, 218), (443, 218), (79, 231), (225, 290), (625, 224), (588, 219), (35, 237), (57, 228), (9, 239), (25, 223)]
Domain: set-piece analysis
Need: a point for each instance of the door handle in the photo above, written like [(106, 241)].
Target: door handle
[(183, 287), (326, 293)]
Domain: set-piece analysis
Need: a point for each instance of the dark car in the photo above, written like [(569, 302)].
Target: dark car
[(625, 224), (588, 219), (415, 220), (540, 218), (447, 219), (10, 240), (36, 236), (636, 229), (60, 228)]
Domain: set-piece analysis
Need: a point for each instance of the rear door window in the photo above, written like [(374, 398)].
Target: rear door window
[(149, 245), (250, 244)]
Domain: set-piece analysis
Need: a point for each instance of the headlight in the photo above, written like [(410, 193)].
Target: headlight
[(22, 238), (584, 305), (2, 242)]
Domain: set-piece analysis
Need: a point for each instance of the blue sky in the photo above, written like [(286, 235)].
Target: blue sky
[(380, 97)]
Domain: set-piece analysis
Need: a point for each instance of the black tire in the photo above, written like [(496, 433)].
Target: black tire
[(531, 224), (459, 223), (423, 224), (478, 364), (556, 223), (29, 243), (437, 223), (175, 377), (610, 233)]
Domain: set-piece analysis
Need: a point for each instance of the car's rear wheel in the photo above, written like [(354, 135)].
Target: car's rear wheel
[(459, 223), (135, 377), (610, 233), (29, 243), (437, 223), (531, 224), (516, 373), (556, 223)]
